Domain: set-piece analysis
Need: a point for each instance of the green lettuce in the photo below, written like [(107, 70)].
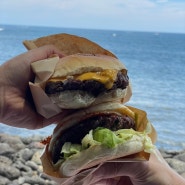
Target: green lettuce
[(108, 138)]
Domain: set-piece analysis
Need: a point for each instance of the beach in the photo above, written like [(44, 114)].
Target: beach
[(21, 165)]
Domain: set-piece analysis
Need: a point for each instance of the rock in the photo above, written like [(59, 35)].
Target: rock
[(14, 141), (26, 140), (26, 154), (9, 172), (14, 182), (7, 161), (21, 180), (36, 157), (32, 165), (22, 167), (4, 180), (5, 149), (177, 165), (34, 180), (180, 156), (165, 154), (36, 145)]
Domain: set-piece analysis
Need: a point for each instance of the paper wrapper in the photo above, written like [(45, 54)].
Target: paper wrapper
[(84, 177), (43, 70), (130, 155)]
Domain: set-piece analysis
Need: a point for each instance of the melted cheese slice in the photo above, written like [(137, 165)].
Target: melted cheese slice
[(106, 77), (126, 111)]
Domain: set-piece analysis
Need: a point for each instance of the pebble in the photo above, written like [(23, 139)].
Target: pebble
[(20, 161)]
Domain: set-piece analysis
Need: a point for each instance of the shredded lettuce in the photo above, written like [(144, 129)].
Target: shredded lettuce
[(69, 149), (108, 138)]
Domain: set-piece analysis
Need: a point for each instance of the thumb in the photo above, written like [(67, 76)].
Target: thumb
[(114, 170)]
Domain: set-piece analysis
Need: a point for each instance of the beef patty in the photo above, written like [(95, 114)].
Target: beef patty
[(90, 86), (76, 133)]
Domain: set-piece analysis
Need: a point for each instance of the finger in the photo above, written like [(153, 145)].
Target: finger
[(43, 53)]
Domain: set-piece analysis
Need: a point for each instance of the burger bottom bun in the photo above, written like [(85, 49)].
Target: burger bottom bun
[(80, 99), (96, 155)]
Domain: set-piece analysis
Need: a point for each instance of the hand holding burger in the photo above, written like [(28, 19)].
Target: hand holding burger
[(16, 104)]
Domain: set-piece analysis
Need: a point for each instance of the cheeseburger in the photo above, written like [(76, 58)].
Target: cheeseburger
[(95, 135), (81, 80)]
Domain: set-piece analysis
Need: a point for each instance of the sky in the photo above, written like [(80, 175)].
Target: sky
[(133, 15)]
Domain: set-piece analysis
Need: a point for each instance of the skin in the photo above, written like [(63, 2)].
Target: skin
[(17, 109)]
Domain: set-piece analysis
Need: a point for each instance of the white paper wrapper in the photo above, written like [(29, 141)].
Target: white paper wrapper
[(43, 70)]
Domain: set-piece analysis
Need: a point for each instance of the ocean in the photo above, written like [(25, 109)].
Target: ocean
[(156, 68)]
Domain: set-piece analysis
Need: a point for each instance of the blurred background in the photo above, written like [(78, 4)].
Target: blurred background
[(148, 36)]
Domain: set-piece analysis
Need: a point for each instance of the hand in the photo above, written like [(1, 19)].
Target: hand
[(16, 104), (153, 172)]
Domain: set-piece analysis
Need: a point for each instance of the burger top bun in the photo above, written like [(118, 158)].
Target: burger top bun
[(68, 44), (80, 63)]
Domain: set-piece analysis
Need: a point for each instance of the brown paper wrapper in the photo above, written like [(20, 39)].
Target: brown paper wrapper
[(43, 70)]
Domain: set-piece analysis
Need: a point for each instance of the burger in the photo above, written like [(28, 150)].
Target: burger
[(81, 80), (97, 134)]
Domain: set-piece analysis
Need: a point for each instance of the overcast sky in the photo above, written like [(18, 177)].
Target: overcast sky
[(135, 15)]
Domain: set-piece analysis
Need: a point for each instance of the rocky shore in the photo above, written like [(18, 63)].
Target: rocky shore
[(20, 161)]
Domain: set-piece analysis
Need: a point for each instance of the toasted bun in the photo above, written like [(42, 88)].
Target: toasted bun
[(81, 63), (98, 154), (68, 44)]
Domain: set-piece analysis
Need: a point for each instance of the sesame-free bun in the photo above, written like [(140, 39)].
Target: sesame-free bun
[(68, 44)]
